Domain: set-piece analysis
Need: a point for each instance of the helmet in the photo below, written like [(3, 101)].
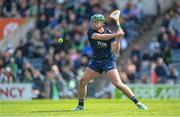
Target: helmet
[(98, 18)]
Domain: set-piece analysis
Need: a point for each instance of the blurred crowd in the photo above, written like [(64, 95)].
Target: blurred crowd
[(156, 62), (45, 63)]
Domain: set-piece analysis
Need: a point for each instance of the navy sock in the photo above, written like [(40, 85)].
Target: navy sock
[(134, 99), (81, 102)]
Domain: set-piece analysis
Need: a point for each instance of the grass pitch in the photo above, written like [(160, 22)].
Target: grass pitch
[(94, 108)]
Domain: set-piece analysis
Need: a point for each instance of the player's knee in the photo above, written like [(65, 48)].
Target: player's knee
[(83, 81)]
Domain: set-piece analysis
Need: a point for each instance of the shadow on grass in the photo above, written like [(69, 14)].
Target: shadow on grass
[(46, 111)]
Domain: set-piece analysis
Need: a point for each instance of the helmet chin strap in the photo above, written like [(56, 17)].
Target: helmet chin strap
[(100, 28)]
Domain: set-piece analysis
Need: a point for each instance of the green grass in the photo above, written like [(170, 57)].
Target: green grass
[(94, 108)]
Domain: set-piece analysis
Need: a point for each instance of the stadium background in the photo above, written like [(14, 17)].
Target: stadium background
[(33, 65)]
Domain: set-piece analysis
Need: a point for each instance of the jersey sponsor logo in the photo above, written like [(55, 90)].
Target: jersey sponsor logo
[(101, 44)]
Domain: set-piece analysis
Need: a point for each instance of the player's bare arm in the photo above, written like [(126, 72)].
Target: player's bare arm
[(116, 44)]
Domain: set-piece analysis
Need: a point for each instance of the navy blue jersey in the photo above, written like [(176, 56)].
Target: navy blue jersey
[(101, 48)]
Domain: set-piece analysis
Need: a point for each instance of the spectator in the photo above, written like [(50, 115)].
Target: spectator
[(9, 75), (3, 77), (137, 62), (161, 71), (14, 68), (77, 44), (173, 75), (166, 20), (174, 24), (165, 42), (37, 83), (131, 71), (162, 31), (157, 54), (87, 51), (136, 52), (42, 22), (154, 44), (167, 55), (146, 55)]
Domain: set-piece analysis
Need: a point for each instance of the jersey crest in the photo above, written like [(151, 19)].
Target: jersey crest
[(101, 44)]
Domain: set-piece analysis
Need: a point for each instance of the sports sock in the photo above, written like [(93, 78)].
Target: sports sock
[(134, 99), (81, 102)]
